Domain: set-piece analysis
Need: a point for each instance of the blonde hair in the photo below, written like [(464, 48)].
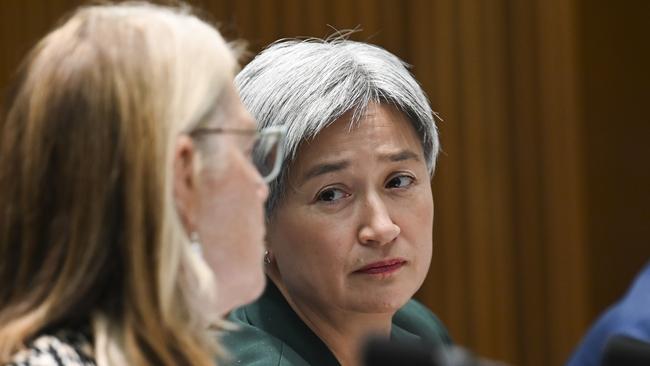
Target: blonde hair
[(89, 232)]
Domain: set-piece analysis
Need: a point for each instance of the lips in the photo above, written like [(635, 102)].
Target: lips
[(382, 267)]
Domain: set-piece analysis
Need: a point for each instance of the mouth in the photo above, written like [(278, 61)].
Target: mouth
[(382, 267)]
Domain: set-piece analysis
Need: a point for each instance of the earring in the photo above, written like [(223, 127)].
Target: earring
[(195, 242), (267, 257)]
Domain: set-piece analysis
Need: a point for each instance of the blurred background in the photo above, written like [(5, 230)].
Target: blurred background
[(542, 192)]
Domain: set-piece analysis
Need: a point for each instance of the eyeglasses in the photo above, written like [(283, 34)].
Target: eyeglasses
[(268, 147)]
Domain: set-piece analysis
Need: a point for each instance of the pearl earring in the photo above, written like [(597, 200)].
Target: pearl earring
[(195, 242), (267, 257)]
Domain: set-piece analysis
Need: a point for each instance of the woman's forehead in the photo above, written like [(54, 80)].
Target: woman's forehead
[(379, 122), (382, 132)]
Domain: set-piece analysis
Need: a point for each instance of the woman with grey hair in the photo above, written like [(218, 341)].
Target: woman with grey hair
[(350, 217)]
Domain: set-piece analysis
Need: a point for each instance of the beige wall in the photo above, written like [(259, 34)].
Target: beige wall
[(542, 203)]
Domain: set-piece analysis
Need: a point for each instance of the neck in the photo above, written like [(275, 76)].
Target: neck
[(344, 332)]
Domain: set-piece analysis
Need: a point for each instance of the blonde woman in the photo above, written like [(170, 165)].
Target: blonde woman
[(131, 208)]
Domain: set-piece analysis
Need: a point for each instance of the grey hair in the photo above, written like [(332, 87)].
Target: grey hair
[(306, 85)]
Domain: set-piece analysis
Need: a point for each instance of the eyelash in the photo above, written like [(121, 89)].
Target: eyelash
[(403, 176), (319, 195), (327, 190)]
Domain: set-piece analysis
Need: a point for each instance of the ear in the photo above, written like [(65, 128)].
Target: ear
[(185, 184)]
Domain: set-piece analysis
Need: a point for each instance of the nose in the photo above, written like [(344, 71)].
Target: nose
[(254, 177), (377, 227), (261, 188)]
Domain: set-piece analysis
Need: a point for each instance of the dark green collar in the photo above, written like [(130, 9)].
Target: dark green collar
[(273, 314)]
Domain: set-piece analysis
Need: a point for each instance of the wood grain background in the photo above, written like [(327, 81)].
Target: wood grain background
[(542, 202)]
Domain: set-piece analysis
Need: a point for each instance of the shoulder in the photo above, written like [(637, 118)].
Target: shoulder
[(629, 317), (64, 348), (253, 346), (419, 320)]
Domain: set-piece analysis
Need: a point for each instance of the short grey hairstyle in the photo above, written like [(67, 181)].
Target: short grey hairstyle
[(306, 85)]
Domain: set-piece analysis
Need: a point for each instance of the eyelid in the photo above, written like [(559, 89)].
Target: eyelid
[(328, 188), (403, 174)]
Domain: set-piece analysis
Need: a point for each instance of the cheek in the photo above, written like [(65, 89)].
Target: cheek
[(216, 211), (424, 227), (422, 216), (308, 244), (422, 208), (417, 225), (228, 194), (231, 215)]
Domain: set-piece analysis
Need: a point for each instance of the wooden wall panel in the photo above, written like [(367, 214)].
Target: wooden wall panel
[(523, 237), (615, 83), (533, 336), (446, 287), (561, 153)]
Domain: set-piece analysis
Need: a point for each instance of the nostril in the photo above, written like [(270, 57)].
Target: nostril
[(396, 232), (379, 234)]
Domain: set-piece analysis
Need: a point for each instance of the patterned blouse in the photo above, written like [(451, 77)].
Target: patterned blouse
[(63, 348)]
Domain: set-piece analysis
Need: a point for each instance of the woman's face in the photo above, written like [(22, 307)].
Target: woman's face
[(230, 208), (354, 232)]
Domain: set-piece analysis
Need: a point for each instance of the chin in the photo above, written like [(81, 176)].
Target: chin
[(254, 288), (385, 297), (235, 294), (383, 302)]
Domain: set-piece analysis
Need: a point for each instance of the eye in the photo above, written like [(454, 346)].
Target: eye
[(400, 181), (331, 195)]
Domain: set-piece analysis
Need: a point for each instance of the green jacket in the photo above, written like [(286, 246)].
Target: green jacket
[(271, 333)]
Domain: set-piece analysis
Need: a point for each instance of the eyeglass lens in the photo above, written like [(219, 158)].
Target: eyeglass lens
[(267, 154)]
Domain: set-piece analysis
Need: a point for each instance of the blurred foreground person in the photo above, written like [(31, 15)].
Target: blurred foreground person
[(630, 317), (132, 213), (350, 217)]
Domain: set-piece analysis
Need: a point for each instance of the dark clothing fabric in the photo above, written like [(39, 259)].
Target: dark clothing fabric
[(629, 317), (271, 333)]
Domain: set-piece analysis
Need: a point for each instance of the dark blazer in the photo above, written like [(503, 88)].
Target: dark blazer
[(271, 333)]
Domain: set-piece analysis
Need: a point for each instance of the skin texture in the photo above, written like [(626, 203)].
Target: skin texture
[(224, 203), (369, 201)]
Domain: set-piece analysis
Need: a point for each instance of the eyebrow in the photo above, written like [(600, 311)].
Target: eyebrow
[(335, 166), (400, 156), (324, 168)]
